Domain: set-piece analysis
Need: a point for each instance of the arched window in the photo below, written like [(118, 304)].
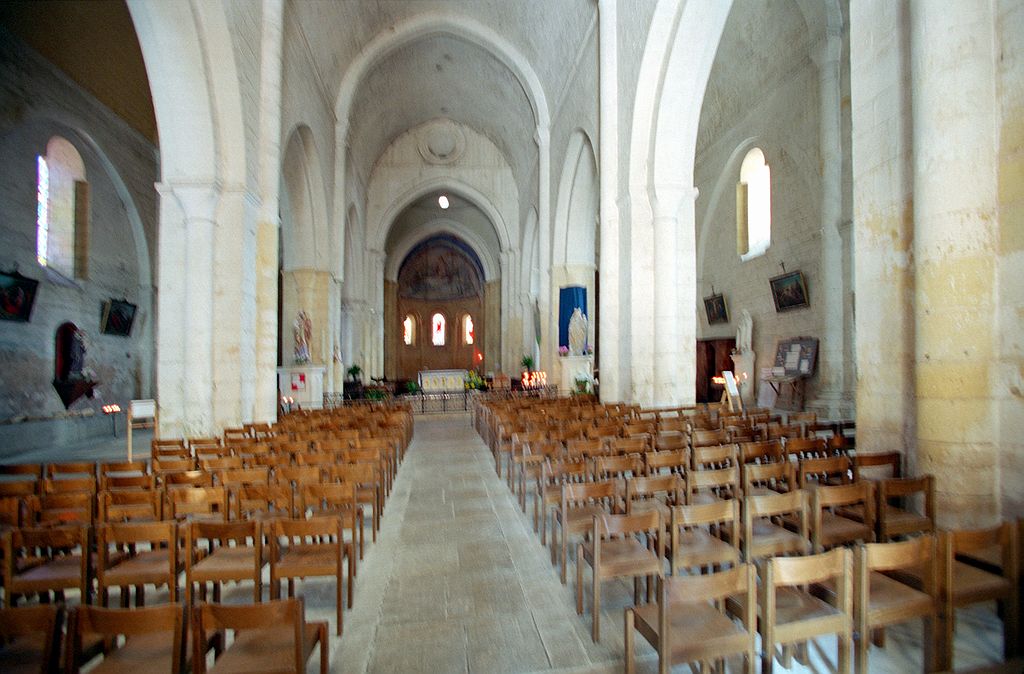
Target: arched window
[(437, 326), (62, 210), (409, 330), (467, 329), (754, 206)]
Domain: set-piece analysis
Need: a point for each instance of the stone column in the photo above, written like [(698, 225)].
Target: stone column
[(185, 329), (392, 330), (610, 317), (378, 259), (955, 245), (264, 408), (493, 309), (883, 227), (831, 381), (547, 310)]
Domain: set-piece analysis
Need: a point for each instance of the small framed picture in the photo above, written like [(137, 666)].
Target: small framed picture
[(117, 318), (17, 295), (789, 291), (715, 308)]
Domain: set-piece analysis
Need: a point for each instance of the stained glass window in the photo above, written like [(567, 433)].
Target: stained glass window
[(437, 324)]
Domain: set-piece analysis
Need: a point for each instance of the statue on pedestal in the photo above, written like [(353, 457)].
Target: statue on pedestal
[(577, 332), (745, 333), (303, 332)]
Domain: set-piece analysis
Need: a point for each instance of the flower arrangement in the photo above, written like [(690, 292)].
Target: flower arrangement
[(588, 350), (583, 384), (563, 350), (475, 381)]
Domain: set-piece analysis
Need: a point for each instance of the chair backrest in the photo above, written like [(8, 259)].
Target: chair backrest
[(298, 475), (22, 471), (253, 499), (243, 476), (69, 469), (714, 456), (764, 451), (281, 613), (806, 448), (221, 463), (867, 464), (646, 524), (724, 482), (190, 501), (671, 442), (836, 565), (119, 481), (123, 505), (583, 493), (901, 488), (670, 486), (112, 622), (779, 476), (42, 623), (188, 478), (675, 462), (825, 470), (333, 497), (580, 447), (704, 438), (608, 467), (120, 534), (1002, 537), (713, 587), (631, 445)]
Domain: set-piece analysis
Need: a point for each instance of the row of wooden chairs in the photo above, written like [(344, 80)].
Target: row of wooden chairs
[(271, 636), (852, 594)]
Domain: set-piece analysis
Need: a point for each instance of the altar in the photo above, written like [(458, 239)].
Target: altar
[(442, 380)]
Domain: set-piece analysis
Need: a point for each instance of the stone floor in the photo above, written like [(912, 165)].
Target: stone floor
[(458, 582)]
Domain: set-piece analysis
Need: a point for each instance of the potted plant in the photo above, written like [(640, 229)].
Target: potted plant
[(354, 372), (527, 362)]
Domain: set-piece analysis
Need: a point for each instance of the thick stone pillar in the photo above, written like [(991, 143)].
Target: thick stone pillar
[(610, 315), (674, 264), (831, 381), (185, 306), (491, 348), (955, 244), (392, 330), (307, 290), (883, 225), (264, 406)]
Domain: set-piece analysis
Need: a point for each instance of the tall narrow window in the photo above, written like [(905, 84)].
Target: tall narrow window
[(409, 330), (467, 329), (437, 325), (754, 206), (62, 209)]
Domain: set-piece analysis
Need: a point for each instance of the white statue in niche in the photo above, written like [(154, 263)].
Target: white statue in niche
[(745, 333), (577, 332)]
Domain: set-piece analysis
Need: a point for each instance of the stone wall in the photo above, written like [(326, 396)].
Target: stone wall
[(37, 102), (773, 104)]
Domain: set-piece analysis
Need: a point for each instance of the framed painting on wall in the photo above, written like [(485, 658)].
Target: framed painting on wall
[(117, 318), (17, 295), (716, 310), (789, 291)]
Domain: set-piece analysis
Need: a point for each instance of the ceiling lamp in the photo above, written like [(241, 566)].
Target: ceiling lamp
[(442, 201)]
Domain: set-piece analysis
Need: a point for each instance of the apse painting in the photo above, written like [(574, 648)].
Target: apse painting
[(17, 295), (439, 271)]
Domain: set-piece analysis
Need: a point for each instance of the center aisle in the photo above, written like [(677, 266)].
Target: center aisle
[(458, 581)]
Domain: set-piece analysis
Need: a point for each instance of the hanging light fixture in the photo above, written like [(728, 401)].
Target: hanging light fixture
[(442, 201)]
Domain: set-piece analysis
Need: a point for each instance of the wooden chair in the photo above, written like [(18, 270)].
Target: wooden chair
[(671, 442), (790, 614), (706, 438), (962, 584), (217, 552), (580, 448), (764, 451), (48, 559), (631, 445), (309, 548), (548, 493), (707, 486), (187, 478), (712, 457), (531, 463), (152, 558), (220, 463), (620, 546), (866, 465), (618, 467), (239, 477), (336, 500), (830, 470), (518, 450), (689, 622), (70, 470), (124, 505), (262, 501), (658, 494), (194, 503), (704, 536), (269, 637), (761, 479), (880, 599), (369, 485), (66, 501), (895, 520), (16, 472), (575, 512), (677, 462), (127, 481), (30, 639), (154, 638), (764, 530), (829, 527), (806, 448)]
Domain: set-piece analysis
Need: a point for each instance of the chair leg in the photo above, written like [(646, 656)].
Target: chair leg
[(597, 606), (1011, 627), (565, 551), (339, 603), (628, 641), (579, 579), (929, 633), (844, 650)]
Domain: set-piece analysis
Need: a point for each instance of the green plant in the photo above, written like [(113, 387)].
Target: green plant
[(355, 371), (475, 381), (527, 362), (412, 387), (376, 394)]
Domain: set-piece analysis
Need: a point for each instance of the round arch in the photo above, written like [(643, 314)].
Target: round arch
[(579, 174), (377, 238), (402, 248), (302, 179)]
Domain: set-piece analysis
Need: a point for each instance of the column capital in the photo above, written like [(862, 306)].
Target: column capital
[(197, 201), (666, 198)]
